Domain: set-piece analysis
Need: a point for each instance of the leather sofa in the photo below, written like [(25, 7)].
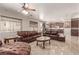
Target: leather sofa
[(55, 35), (51, 34), (28, 36)]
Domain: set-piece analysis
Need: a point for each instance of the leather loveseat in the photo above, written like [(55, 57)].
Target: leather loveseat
[(52, 34), (56, 34)]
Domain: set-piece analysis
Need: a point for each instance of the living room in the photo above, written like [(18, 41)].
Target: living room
[(45, 28)]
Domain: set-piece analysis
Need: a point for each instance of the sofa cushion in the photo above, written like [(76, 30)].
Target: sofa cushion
[(54, 32)]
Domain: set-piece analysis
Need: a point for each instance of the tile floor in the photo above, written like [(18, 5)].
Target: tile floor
[(55, 48)]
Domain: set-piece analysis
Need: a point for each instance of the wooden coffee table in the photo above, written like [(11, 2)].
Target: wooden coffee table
[(43, 39), (6, 40)]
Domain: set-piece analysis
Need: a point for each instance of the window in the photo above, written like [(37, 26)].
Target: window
[(34, 26), (10, 24)]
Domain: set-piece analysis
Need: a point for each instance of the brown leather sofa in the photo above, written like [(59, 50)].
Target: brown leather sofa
[(28, 36)]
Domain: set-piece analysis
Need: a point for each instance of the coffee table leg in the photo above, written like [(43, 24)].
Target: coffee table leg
[(14, 40), (43, 45), (49, 42), (5, 41), (8, 41), (37, 43)]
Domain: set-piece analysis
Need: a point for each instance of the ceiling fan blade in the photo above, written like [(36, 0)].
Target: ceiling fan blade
[(30, 9), (27, 8)]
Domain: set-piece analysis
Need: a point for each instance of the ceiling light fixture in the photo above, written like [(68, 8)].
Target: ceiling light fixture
[(25, 12)]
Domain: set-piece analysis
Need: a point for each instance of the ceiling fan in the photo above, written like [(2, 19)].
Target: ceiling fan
[(27, 8)]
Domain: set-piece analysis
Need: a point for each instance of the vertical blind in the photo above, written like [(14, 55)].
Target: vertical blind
[(10, 24), (34, 25)]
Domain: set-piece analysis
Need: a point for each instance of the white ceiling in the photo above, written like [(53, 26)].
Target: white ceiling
[(47, 11)]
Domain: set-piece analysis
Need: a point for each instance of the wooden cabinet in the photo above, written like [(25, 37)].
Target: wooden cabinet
[(74, 23), (74, 27), (74, 32)]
